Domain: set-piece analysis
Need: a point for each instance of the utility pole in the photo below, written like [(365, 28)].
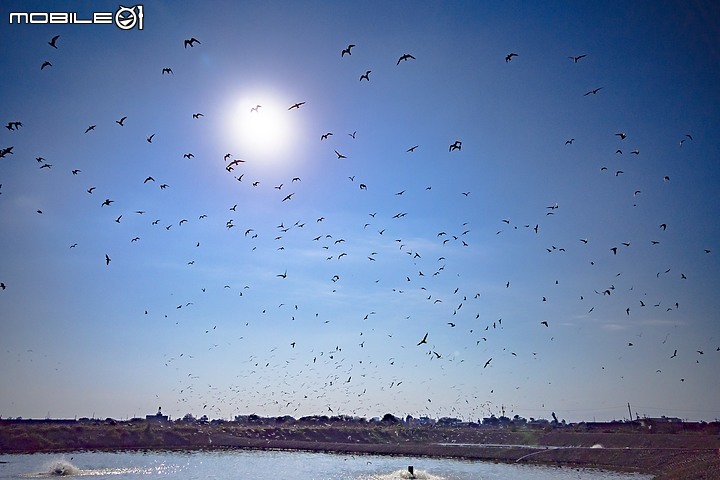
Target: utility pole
[(630, 412)]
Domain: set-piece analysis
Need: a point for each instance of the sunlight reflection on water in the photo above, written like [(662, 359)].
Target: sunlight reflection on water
[(261, 465)]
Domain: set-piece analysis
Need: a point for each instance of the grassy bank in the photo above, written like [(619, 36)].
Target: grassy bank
[(670, 455)]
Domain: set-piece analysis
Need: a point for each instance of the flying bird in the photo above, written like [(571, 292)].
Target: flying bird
[(91, 127), (593, 92), (121, 121), (45, 64), (424, 340), (575, 59), (297, 105), (339, 155), (346, 50), (107, 259), (366, 75), (167, 70), (405, 57), (150, 138), (191, 41)]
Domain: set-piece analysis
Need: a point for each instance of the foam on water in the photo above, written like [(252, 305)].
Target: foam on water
[(405, 475), (63, 468), (59, 468)]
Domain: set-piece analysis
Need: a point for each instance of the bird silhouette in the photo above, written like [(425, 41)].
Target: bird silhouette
[(366, 75), (424, 340), (510, 56), (167, 70), (296, 105), (191, 42), (575, 59), (405, 57), (347, 50), (121, 122), (594, 91), (53, 41), (45, 64)]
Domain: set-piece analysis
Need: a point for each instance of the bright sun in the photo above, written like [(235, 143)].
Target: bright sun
[(262, 128)]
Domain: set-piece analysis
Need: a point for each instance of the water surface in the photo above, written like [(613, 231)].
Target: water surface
[(267, 465)]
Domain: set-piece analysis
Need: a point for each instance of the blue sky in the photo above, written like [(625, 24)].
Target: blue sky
[(234, 300)]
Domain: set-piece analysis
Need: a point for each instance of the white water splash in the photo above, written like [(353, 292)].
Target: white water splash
[(405, 475)]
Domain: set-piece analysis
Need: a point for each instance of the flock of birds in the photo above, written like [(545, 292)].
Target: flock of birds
[(327, 371)]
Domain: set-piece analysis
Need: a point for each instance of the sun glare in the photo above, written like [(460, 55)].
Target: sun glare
[(262, 129)]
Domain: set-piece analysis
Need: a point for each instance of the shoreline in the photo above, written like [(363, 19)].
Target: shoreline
[(665, 456)]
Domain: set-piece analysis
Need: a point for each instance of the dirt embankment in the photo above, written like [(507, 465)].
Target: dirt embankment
[(668, 455)]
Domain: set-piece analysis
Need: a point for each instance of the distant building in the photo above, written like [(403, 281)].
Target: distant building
[(449, 422), (663, 419), (158, 417), (422, 421)]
